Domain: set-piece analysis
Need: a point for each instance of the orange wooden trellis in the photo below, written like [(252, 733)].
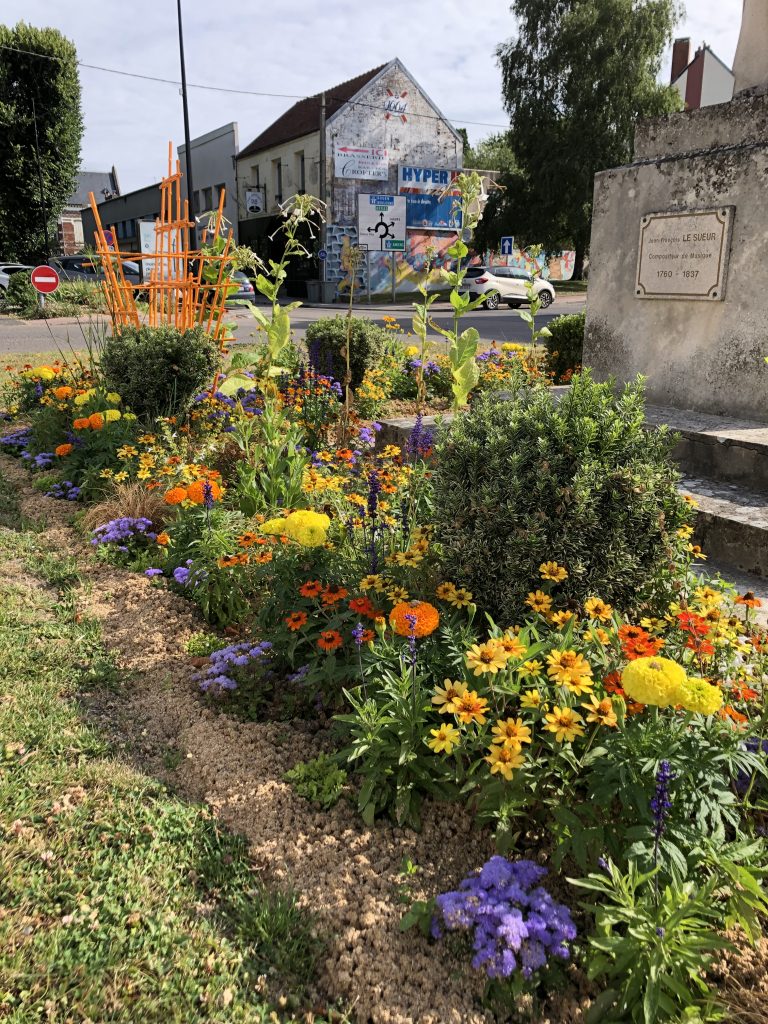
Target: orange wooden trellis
[(175, 290)]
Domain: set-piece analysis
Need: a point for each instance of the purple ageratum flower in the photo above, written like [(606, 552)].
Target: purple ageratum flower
[(44, 460), (181, 575), (223, 665), (153, 572), (516, 924)]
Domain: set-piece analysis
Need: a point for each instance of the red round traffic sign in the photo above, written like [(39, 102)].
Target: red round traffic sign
[(45, 280)]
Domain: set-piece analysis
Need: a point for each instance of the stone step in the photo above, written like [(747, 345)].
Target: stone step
[(732, 524)]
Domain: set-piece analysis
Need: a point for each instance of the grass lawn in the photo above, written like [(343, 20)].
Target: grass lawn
[(119, 902), (570, 286)]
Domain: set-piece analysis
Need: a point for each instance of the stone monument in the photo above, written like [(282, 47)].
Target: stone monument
[(678, 285)]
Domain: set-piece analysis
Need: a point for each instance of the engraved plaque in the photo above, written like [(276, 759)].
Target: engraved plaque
[(684, 255)]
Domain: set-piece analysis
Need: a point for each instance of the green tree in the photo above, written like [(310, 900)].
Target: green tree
[(39, 87), (576, 79), (491, 154)]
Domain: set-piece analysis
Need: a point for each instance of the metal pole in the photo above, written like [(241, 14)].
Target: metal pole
[(187, 149), (394, 277), (368, 273), (323, 162), (40, 187)]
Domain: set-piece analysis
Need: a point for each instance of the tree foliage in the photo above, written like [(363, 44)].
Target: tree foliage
[(36, 65), (576, 79), (493, 153)]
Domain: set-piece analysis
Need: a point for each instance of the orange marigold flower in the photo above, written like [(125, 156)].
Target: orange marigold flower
[(62, 450), (329, 640), (82, 423), (96, 421), (63, 392), (162, 539), (312, 588), (263, 557), (175, 496), (296, 620), (196, 492), (333, 593), (426, 615)]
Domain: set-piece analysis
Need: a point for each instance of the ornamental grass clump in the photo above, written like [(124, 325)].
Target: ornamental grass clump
[(517, 927), (523, 482)]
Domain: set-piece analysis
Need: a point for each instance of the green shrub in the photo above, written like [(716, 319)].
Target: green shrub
[(565, 346), (320, 780), (326, 340), (20, 297), (525, 481), (202, 645), (158, 370)]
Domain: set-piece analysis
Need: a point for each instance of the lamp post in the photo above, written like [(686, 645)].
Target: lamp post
[(187, 150)]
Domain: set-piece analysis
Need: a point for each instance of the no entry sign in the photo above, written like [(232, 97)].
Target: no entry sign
[(45, 280)]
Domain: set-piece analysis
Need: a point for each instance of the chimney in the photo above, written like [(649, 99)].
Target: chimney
[(681, 57)]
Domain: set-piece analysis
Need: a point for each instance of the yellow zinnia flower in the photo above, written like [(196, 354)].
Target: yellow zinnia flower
[(530, 668), (552, 571), (468, 707), (373, 582), (601, 711), (503, 760), (531, 699), (488, 657), (560, 618), (511, 732), (445, 591), (566, 667), (444, 739), (512, 645), (539, 601), (565, 723), (460, 598), (445, 696), (597, 609)]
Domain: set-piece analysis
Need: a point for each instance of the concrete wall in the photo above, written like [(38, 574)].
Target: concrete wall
[(706, 356), (123, 213), (717, 83), (213, 165)]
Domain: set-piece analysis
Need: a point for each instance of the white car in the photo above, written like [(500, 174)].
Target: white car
[(7, 270), (506, 284)]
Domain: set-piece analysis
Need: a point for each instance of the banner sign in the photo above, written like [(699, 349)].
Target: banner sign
[(361, 163), (429, 206), (381, 222)]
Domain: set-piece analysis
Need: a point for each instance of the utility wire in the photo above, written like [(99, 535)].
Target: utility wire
[(239, 92)]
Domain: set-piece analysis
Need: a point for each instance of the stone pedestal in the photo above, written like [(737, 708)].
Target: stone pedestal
[(702, 353)]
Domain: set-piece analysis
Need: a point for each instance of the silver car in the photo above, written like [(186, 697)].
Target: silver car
[(506, 284), (7, 270)]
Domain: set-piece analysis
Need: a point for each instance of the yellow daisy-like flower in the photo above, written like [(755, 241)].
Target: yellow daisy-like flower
[(564, 667), (511, 732), (601, 711), (144, 473), (553, 571), (460, 598), (398, 594), (597, 609), (120, 477), (503, 761), (531, 699), (409, 557), (105, 474), (445, 696), (565, 723), (444, 738), (488, 657), (127, 452), (560, 618), (445, 591), (469, 707), (512, 645), (531, 669), (539, 602), (373, 582), (598, 635), (578, 685)]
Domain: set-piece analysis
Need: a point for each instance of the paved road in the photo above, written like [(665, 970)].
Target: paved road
[(18, 336)]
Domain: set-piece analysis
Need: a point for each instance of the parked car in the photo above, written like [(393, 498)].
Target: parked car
[(506, 284), (86, 268), (245, 292), (7, 270)]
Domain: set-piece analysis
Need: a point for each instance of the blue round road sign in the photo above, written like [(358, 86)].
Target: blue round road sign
[(323, 255)]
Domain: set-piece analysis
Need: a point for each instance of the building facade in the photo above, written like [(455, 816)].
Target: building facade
[(702, 79), (122, 215), (104, 185), (378, 133), (214, 169)]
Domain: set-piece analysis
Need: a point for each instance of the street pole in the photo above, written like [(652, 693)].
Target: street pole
[(187, 149), (41, 189), (323, 162)]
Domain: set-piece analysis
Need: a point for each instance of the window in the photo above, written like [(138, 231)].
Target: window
[(301, 173), (196, 201), (219, 190), (255, 175), (121, 229), (277, 178), (207, 199)]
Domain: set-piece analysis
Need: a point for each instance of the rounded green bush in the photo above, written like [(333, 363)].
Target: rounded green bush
[(158, 370), (326, 341), (565, 346), (20, 296), (582, 483)]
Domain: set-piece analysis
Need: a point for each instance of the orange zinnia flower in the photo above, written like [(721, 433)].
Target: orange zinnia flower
[(175, 496), (362, 606), (329, 640), (247, 539), (63, 449), (296, 620), (334, 592), (628, 632), (96, 421), (263, 557), (426, 615), (749, 600), (312, 588)]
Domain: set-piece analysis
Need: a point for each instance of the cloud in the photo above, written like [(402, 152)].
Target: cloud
[(294, 47)]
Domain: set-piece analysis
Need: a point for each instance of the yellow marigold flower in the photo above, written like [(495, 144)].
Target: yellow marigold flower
[(305, 526), (553, 571), (597, 609), (511, 732), (444, 739), (130, 416), (84, 397), (113, 398), (560, 618), (445, 696), (460, 598), (503, 760), (469, 707), (699, 696), (488, 657), (445, 591), (112, 415), (565, 723), (539, 602), (373, 582), (530, 668), (531, 699), (601, 711), (653, 681), (567, 667)]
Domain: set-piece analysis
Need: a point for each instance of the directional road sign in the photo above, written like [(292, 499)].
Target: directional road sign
[(45, 280), (381, 222), (507, 245)]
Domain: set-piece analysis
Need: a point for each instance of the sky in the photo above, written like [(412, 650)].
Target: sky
[(294, 47)]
